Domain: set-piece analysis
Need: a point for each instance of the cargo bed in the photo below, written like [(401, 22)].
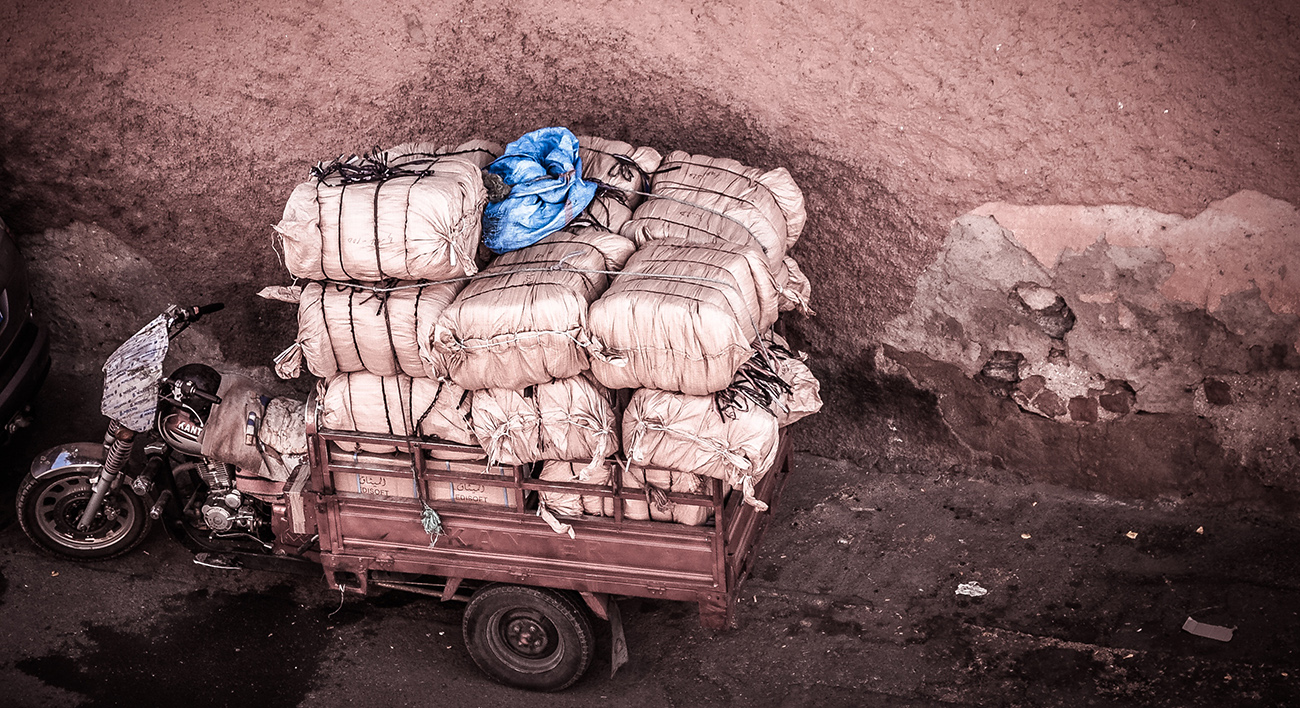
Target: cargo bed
[(369, 519)]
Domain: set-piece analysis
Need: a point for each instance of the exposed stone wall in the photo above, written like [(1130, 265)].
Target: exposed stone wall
[(1096, 318)]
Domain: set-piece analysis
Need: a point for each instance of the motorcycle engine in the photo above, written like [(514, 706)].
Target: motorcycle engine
[(227, 510)]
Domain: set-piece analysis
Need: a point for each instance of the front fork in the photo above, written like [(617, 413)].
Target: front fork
[(115, 457)]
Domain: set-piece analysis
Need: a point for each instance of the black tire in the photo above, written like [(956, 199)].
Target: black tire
[(49, 508), (529, 638)]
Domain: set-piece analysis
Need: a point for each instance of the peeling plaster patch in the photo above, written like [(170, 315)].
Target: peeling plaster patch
[(1067, 379), (1036, 297), (1084, 409), (1044, 308), (961, 312), (1073, 390), (1070, 313), (1003, 366), (1165, 348), (1098, 298), (1246, 241), (1048, 231), (1117, 398)]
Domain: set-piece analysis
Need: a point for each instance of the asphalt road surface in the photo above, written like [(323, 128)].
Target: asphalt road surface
[(853, 602)]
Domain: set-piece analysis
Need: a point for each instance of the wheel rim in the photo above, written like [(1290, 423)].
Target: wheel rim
[(60, 505), (526, 639)]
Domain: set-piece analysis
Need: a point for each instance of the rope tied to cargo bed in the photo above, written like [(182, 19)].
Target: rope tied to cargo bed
[(655, 496), (429, 518), (432, 523)]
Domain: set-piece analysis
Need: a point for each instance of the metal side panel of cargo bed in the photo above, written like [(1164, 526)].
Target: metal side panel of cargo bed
[(370, 521)]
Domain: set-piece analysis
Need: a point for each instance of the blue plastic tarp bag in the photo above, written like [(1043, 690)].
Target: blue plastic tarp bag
[(547, 191)]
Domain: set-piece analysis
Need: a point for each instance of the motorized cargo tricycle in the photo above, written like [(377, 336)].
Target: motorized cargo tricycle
[(371, 511)]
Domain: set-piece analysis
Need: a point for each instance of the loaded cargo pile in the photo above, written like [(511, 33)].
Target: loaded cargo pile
[(591, 309)]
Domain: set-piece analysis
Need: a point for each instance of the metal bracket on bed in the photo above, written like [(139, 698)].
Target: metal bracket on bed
[(606, 608)]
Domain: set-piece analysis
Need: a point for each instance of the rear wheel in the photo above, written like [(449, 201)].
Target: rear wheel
[(49, 508), (529, 638)]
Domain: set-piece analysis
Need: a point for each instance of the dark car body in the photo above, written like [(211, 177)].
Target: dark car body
[(24, 342)]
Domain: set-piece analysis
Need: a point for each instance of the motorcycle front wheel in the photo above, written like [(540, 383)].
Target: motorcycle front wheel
[(49, 508)]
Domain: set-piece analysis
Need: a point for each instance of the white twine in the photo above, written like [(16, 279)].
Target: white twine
[(740, 477)]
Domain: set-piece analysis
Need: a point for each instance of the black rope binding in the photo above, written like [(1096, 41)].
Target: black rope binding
[(374, 166), (759, 380)]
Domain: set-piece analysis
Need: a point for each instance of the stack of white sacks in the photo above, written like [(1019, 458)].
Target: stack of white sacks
[(667, 285), (691, 308), (386, 242)]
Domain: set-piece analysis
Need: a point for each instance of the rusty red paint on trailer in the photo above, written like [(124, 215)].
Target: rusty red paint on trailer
[(376, 527)]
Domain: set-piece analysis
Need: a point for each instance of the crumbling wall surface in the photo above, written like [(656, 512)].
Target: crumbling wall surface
[(1117, 347), (146, 147)]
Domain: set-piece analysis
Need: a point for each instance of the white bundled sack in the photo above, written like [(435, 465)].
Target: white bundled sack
[(394, 405), (721, 198), (347, 328), (656, 506), (793, 289), (623, 170), (283, 433), (480, 153), (523, 320), (605, 211), (804, 397), (614, 163), (685, 433), (410, 213), (280, 424), (651, 505), (681, 317), (568, 419), (574, 503), (666, 218)]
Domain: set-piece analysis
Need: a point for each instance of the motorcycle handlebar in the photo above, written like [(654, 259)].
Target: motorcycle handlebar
[(192, 314), (205, 396), (184, 389)]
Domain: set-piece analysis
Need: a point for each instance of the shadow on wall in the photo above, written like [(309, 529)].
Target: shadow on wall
[(153, 203)]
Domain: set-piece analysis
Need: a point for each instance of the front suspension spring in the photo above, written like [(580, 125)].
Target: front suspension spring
[(115, 460)]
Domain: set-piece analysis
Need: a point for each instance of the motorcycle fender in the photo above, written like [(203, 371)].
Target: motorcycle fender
[(82, 454)]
